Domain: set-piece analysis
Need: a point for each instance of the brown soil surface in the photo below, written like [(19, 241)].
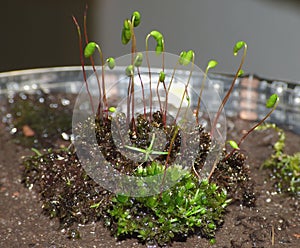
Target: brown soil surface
[(273, 222)]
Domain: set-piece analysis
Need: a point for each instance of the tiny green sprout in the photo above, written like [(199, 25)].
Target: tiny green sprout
[(162, 76), (90, 49), (238, 46), (272, 101), (126, 32), (138, 60), (112, 109), (233, 144), (186, 57), (148, 151), (136, 18), (212, 241), (122, 198), (36, 151), (96, 205), (111, 63), (129, 71), (211, 64)]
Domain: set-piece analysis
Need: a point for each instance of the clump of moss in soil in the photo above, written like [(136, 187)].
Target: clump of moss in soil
[(189, 207), (285, 168)]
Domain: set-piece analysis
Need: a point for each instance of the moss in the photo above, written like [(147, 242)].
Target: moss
[(187, 208), (66, 192), (285, 169)]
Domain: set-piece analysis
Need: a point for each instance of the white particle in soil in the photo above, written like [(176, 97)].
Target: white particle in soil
[(41, 100), (65, 102), (268, 200), (60, 157), (53, 105), (65, 136), (23, 96), (13, 130)]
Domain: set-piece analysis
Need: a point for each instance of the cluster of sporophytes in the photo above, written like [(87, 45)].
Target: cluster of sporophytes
[(193, 205), (285, 169)]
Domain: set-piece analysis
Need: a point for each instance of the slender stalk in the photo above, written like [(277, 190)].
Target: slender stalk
[(150, 77), (211, 64), (143, 91), (168, 156), (225, 99), (169, 88), (252, 129), (133, 52), (237, 47), (99, 109), (186, 87), (161, 79), (103, 80), (82, 62), (160, 46)]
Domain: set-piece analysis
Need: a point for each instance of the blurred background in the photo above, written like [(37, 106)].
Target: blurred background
[(38, 33)]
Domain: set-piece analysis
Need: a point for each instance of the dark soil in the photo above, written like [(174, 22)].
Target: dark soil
[(274, 219)]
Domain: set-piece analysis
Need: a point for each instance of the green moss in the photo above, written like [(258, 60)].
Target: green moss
[(285, 168), (187, 208)]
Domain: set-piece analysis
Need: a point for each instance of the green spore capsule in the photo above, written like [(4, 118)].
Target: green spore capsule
[(272, 101), (162, 76), (129, 71), (238, 46), (136, 17), (90, 49), (111, 63), (138, 60)]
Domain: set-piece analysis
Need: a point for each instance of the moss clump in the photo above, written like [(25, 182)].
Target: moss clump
[(186, 208), (66, 192), (285, 169), (233, 174)]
